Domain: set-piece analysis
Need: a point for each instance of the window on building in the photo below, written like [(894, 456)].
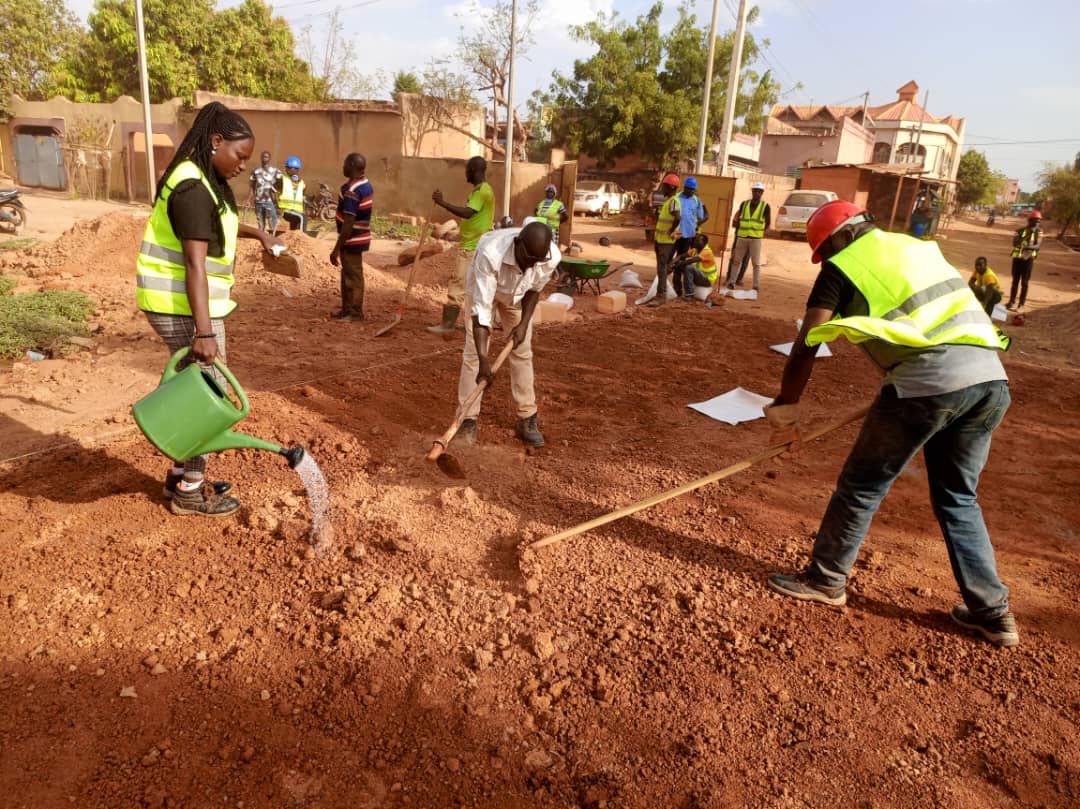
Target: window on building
[(911, 153)]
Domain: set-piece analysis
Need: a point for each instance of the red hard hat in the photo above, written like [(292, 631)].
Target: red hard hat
[(1034, 215), (825, 220), (671, 178)]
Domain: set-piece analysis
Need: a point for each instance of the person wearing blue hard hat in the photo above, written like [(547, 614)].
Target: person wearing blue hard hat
[(291, 198), (694, 216)]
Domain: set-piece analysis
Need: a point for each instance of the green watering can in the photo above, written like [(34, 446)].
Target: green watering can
[(189, 414)]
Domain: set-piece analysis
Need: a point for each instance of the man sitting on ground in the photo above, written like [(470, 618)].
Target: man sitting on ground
[(984, 283), (697, 268)]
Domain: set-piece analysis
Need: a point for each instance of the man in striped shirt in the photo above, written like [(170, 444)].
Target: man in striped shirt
[(354, 236)]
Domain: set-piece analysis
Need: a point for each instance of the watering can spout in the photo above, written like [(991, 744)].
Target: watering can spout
[(234, 440), (293, 455)]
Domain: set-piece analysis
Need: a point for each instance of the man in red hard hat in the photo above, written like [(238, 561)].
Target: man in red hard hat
[(1026, 244), (668, 219), (944, 392)]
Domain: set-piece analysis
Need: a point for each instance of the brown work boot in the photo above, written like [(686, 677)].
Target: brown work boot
[(172, 479), (449, 318), (203, 502)]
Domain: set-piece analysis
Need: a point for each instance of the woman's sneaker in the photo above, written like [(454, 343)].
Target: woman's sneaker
[(202, 502), (1000, 631)]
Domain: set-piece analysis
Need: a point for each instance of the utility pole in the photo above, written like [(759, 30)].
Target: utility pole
[(509, 112), (922, 118), (144, 84), (708, 87), (865, 105), (732, 89)]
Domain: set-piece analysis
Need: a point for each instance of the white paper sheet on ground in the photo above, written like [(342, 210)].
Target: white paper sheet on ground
[(733, 407), (1000, 312), (648, 296), (743, 294), (785, 349), (559, 297)]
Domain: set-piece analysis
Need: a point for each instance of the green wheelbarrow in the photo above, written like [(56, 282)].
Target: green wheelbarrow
[(580, 274)]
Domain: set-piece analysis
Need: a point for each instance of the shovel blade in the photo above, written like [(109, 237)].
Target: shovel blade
[(450, 466), (388, 326)]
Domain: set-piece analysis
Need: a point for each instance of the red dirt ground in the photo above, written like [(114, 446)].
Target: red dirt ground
[(149, 660)]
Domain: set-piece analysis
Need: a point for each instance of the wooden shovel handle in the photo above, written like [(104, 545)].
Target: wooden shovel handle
[(424, 231), (441, 443), (727, 471)]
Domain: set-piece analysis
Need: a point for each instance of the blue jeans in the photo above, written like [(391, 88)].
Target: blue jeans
[(953, 430), (266, 212)]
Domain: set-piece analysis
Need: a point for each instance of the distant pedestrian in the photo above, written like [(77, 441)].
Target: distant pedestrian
[(694, 215), (1026, 244), (477, 215), (751, 220), (291, 194), (668, 222), (984, 283), (552, 211), (354, 235), (264, 182)]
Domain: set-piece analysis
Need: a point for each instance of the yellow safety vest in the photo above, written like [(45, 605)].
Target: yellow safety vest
[(915, 297), (1027, 236), (751, 224), (707, 264), (665, 221), (160, 270), (551, 210), (292, 195)]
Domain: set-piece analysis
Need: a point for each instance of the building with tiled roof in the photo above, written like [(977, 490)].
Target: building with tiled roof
[(911, 136)]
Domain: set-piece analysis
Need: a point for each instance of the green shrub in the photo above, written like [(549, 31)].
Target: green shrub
[(41, 320)]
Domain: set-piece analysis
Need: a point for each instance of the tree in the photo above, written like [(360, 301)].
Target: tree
[(1061, 191), (976, 184), (33, 35), (190, 46), (444, 96), (406, 82), (641, 92), (485, 54), (335, 73)]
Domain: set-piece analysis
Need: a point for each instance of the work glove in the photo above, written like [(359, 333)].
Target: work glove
[(784, 419)]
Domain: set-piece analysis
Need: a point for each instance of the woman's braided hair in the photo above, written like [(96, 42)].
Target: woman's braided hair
[(213, 119)]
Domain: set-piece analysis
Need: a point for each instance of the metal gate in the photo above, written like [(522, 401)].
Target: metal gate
[(39, 159)]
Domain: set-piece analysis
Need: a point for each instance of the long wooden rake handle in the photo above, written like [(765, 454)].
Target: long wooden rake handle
[(727, 471), (440, 444)]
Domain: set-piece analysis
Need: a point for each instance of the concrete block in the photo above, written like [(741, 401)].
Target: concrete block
[(611, 302), (444, 229), (553, 312)]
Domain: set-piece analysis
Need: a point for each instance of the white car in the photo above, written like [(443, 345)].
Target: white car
[(797, 208), (600, 198)]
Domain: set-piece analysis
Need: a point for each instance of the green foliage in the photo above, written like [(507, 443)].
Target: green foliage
[(975, 183), (40, 320), (189, 46), (641, 92), (383, 228), (33, 36), (18, 244), (406, 82), (1061, 191), (6, 284)]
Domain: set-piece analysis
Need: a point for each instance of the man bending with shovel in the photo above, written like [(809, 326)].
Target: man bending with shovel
[(510, 268), (944, 392)]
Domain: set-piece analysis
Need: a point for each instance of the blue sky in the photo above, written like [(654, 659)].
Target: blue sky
[(1011, 69)]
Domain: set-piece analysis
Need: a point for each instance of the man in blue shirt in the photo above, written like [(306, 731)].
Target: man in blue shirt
[(694, 216)]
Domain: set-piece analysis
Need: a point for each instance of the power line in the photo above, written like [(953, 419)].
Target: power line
[(1020, 142)]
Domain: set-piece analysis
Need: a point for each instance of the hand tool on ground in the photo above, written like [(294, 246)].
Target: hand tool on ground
[(408, 286), (445, 461), (727, 471)]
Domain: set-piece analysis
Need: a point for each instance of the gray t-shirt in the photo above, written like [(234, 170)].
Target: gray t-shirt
[(912, 371)]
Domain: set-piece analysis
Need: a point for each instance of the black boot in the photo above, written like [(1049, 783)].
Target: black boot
[(449, 318), (529, 432)]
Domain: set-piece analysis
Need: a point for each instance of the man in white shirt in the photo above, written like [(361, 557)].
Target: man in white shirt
[(509, 269)]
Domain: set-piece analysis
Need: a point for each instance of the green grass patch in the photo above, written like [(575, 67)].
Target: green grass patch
[(41, 320), (383, 228), (18, 244), (6, 284)]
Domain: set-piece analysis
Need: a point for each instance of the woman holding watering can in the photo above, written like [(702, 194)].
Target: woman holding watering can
[(185, 270)]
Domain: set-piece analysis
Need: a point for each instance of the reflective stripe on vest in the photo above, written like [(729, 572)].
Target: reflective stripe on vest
[(665, 221), (915, 297), (160, 270), (751, 224), (1027, 235), (292, 195)]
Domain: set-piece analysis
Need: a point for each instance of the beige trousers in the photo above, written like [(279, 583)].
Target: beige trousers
[(520, 359), (744, 245), (455, 290)]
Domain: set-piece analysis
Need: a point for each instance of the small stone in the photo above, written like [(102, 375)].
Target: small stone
[(538, 760), (128, 692), (264, 695), (532, 585), (453, 764), (248, 754), (356, 552), (543, 645), (482, 659), (150, 661), (158, 670)]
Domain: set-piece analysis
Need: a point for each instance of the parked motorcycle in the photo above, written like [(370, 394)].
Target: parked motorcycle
[(322, 205), (12, 211), (990, 219)]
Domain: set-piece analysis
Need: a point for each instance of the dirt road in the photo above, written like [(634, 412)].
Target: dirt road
[(147, 660)]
